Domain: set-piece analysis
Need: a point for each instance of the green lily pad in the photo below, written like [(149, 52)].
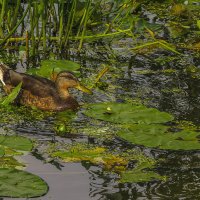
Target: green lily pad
[(16, 142), (132, 176), (2, 152), (10, 162), (156, 135), (21, 184), (13, 182), (49, 66), (127, 113), (80, 152)]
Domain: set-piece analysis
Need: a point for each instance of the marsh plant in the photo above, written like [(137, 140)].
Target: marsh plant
[(37, 25)]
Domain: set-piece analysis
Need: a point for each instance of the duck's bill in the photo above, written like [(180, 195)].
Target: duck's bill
[(83, 89)]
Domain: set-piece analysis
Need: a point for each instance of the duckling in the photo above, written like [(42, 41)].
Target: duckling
[(41, 92)]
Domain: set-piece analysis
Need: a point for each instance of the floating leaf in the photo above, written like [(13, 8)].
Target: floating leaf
[(156, 135), (49, 66), (198, 24), (19, 184), (2, 151), (16, 142), (125, 113), (132, 176), (79, 153), (12, 96), (10, 162)]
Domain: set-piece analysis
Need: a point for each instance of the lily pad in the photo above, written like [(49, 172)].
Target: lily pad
[(10, 162), (80, 152), (127, 113), (49, 66), (156, 135), (132, 176), (16, 142), (21, 184), (2, 152)]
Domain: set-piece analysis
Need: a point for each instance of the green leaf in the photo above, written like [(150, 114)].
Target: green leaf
[(20, 184), (10, 162), (13, 182), (198, 24), (12, 96), (2, 151), (16, 142), (49, 66), (157, 136), (126, 113), (110, 161), (133, 176), (168, 46)]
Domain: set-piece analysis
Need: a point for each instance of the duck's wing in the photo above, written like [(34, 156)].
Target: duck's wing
[(37, 86)]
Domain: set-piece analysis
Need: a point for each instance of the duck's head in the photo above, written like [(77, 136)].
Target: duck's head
[(65, 80)]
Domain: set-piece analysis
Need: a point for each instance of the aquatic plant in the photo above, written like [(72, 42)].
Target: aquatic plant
[(125, 113), (110, 161), (14, 182), (50, 67), (61, 22), (142, 126)]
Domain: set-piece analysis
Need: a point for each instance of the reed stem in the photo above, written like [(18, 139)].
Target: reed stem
[(15, 28), (85, 19)]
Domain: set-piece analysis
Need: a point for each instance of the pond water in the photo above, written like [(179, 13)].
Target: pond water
[(86, 181)]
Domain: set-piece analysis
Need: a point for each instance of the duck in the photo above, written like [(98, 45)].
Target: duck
[(40, 92)]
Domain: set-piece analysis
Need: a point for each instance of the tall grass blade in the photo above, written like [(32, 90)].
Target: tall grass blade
[(15, 28), (85, 20), (12, 96)]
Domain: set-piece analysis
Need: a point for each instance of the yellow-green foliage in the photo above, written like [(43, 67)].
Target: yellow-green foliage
[(109, 160)]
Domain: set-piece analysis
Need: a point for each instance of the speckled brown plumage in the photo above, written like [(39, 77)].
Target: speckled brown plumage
[(41, 92)]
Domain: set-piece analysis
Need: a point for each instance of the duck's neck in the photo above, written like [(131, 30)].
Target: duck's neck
[(63, 92)]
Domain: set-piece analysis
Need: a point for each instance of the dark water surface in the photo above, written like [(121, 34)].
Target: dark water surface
[(76, 181)]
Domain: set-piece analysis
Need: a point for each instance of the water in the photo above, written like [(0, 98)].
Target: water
[(82, 181)]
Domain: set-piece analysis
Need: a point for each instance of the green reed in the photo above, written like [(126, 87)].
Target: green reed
[(57, 22)]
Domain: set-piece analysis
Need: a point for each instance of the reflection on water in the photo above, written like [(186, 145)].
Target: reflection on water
[(181, 184)]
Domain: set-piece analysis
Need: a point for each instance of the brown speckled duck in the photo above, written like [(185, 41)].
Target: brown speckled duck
[(40, 92)]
